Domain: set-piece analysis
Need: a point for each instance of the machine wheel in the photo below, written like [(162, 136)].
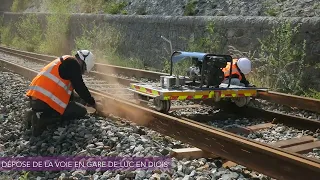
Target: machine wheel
[(241, 101), (162, 106)]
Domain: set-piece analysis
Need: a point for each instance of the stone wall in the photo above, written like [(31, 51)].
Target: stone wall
[(141, 34), (5, 5)]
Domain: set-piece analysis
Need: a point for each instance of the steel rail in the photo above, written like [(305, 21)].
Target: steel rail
[(299, 102), (254, 155), (45, 59), (299, 122)]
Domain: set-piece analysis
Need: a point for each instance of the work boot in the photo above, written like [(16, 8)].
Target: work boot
[(27, 119), (38, 125)]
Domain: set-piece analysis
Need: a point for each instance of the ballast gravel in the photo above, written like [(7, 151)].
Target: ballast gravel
[(95, 136)]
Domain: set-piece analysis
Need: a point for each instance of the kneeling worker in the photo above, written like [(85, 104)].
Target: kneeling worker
[(240, 67), (51, 91)]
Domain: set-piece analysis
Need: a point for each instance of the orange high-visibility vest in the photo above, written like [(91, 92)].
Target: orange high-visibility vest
[(235, 70), (50, 88)]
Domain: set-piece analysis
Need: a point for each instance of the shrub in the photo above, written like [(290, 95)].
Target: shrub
[(280, 61), (19, 5), (190, 8), (103, 42), (112, 7), (29, 33), (57, 28)]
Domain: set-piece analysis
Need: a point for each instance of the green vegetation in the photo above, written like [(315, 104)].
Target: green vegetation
[(24, 176), (91, 6), (29, 34), (281, 61), (277, 64), (98, 6), (210, 42), (190, 8), (6, 34), (25, 34), (113, 7), (316, 5), (272, 10), (103, 41), (57, 27), (19, 5)]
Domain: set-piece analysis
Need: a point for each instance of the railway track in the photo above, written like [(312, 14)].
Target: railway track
[(217, 142), (121, 74)]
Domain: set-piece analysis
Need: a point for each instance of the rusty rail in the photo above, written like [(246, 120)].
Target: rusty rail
[(291, 100), (276, 97), (256, 156)]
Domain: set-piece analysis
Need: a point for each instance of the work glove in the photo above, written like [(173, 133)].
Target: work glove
[(98, 106)]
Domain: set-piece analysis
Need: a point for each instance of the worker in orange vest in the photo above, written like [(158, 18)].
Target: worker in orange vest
[(51, 91), (240, 68)]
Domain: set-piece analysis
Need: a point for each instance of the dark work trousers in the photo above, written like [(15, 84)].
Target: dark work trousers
[(74, 110)]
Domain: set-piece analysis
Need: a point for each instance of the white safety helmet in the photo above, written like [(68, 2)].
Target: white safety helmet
[(87, 57), (244, 65)]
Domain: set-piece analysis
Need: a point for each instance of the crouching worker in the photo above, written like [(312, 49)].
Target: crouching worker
[(51, 91), (240, 68)]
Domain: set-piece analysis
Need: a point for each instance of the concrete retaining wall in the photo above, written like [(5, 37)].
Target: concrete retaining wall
[(6, 5), (141, 34)]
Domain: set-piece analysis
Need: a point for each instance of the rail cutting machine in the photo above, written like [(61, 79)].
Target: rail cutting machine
[(204, 81)]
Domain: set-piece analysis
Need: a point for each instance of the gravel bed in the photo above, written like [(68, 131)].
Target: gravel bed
[(95, 136), (263, 104), (144, 80), (278, 132), (281, 132)]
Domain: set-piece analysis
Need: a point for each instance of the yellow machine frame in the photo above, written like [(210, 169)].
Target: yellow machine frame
[(189, 94)]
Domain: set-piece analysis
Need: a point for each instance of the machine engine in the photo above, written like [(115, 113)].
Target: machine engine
[(213, 74), (194, 73)]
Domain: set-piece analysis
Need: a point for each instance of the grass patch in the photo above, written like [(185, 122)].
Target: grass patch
[(113, 7), (19, 5), (211, 42), (29, 33), (281, 60), (91, 6), (6, 35), (103, 42), (190, 8), (24, 176), (57, 28)]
